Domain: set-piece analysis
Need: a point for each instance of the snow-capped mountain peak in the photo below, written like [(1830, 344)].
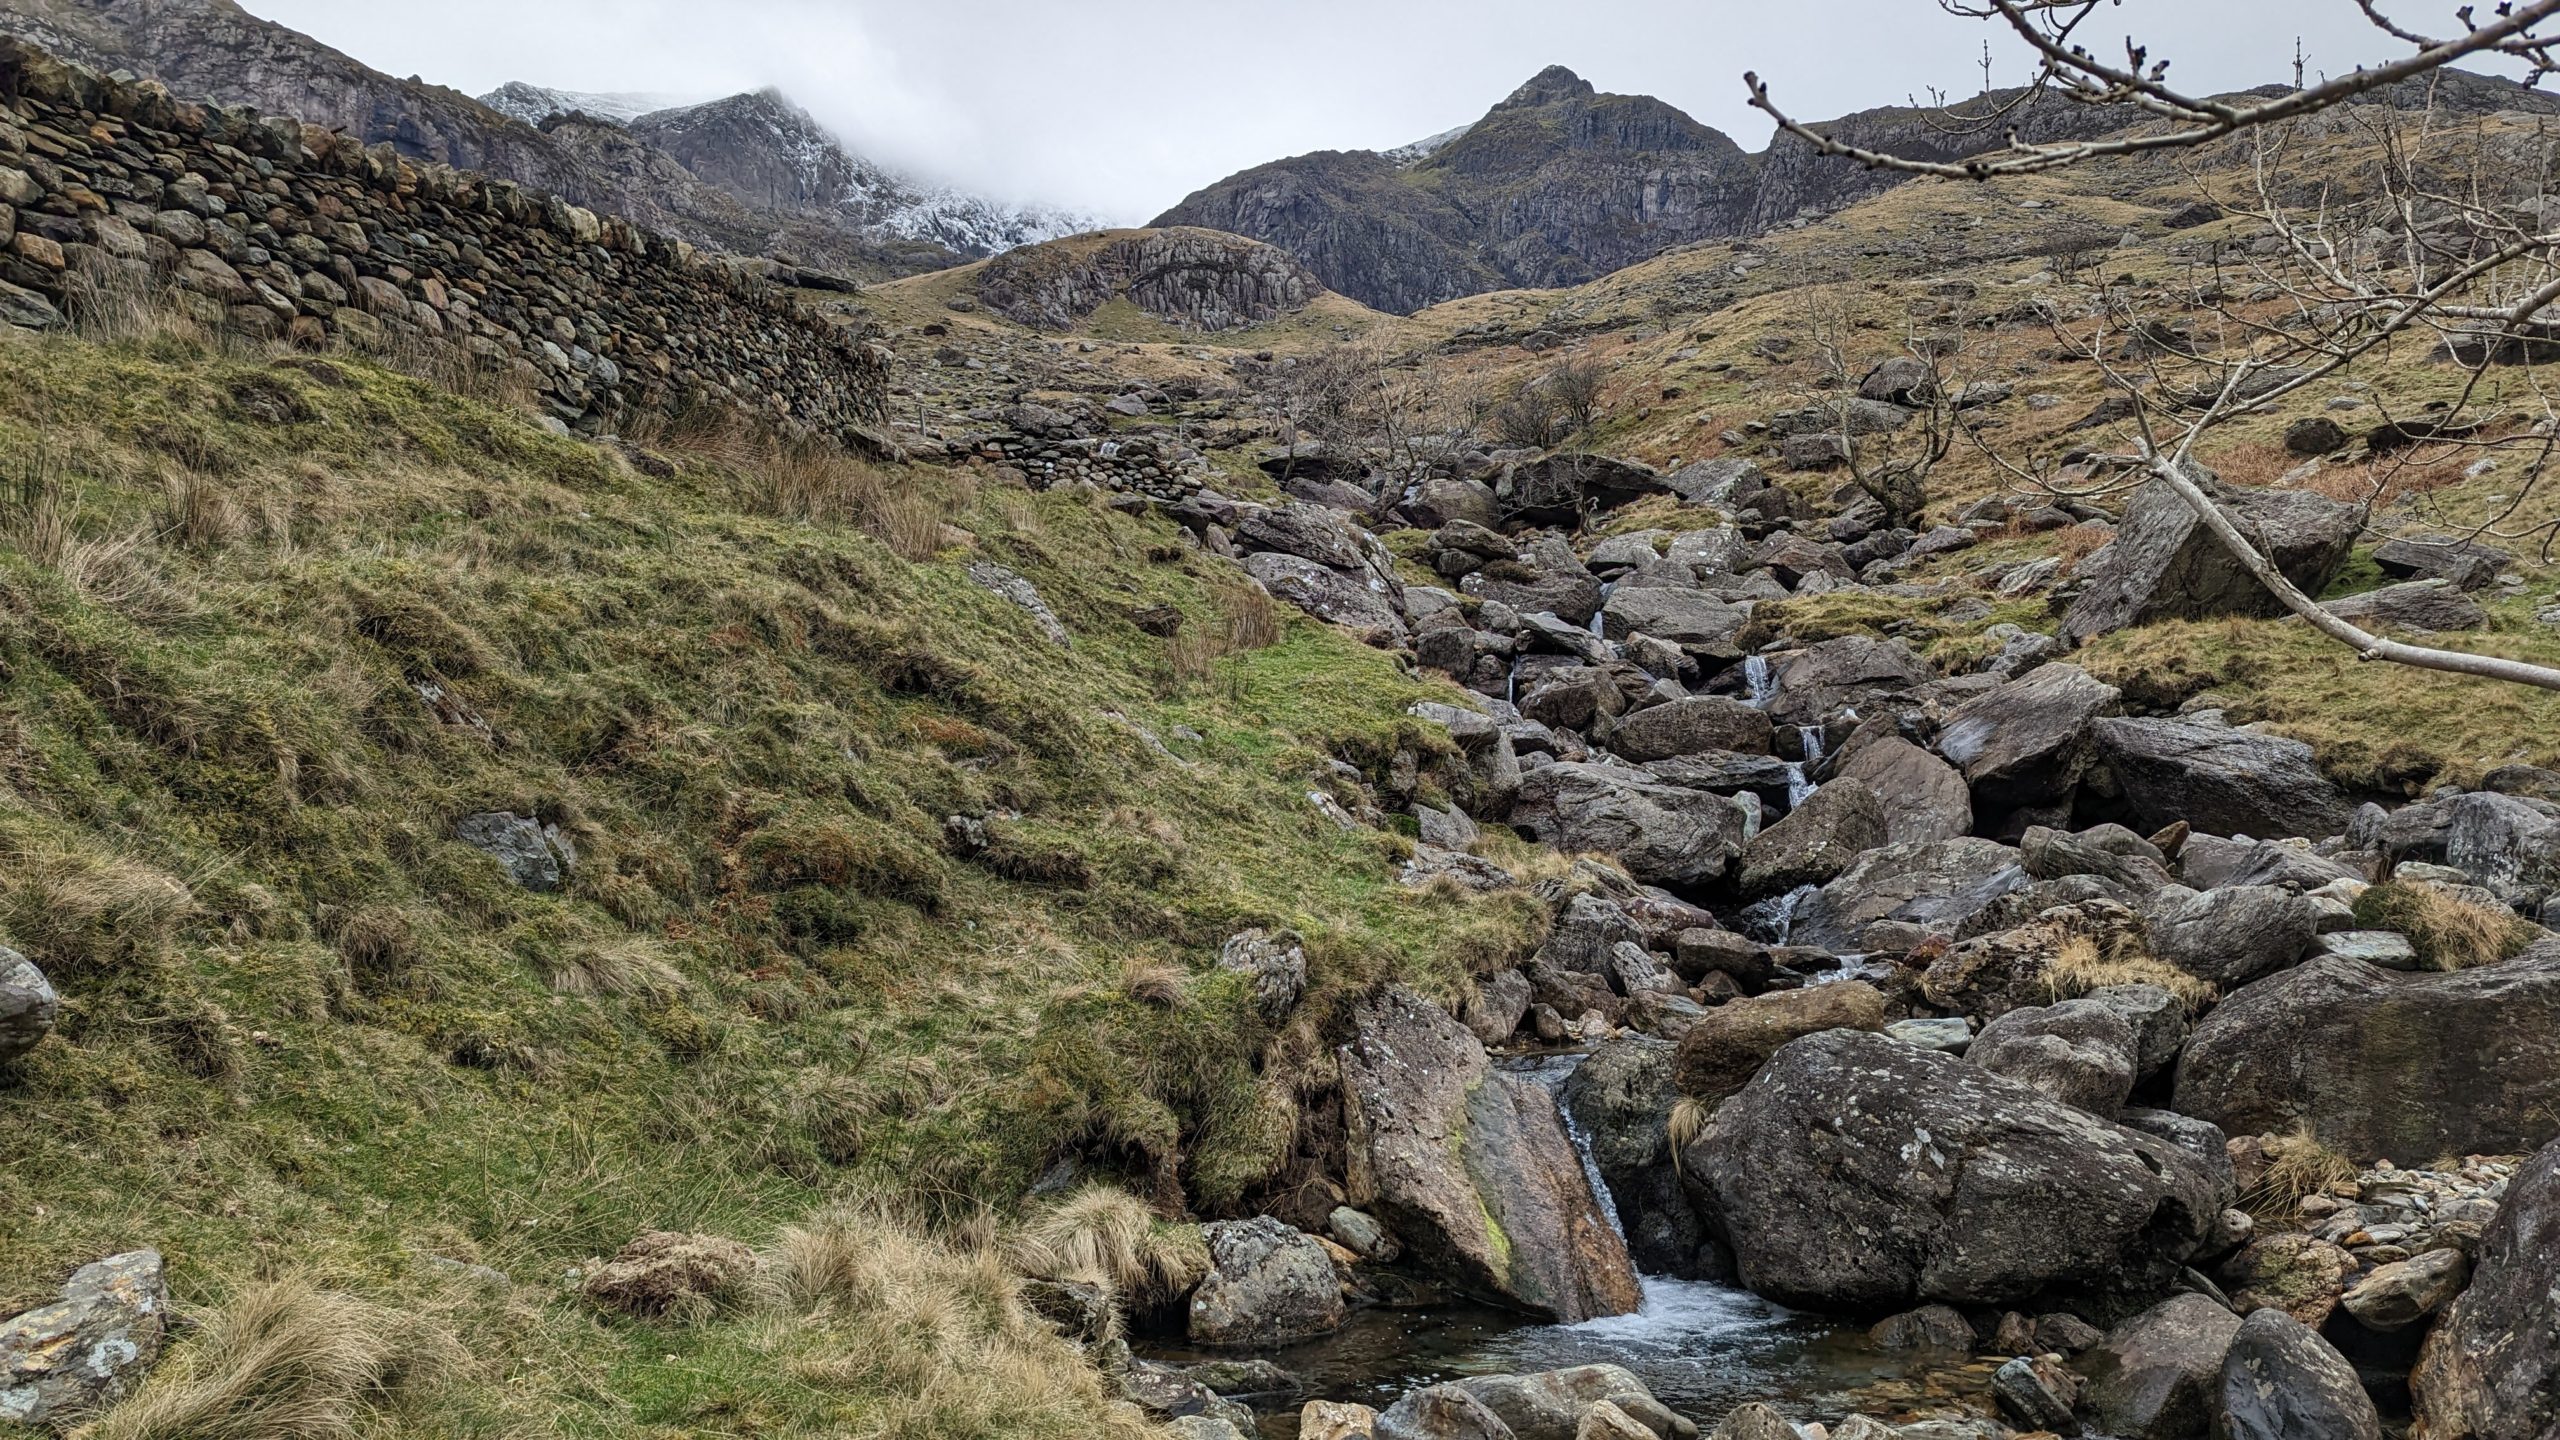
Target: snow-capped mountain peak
[(1416, 151), (534, 104)]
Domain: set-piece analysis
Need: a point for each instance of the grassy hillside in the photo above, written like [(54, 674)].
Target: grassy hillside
[(270, 627)]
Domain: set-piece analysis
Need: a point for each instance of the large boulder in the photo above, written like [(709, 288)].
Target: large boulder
[(2027, 742), (2490, 1369), (2164, 565), (1816, 841), (2426, 606), (1925, 797), (1859, 1173), (1719, 1054), (1691, 619), (2081, 1052), (2231, 936), (2220, 780), (1621, 1101), (1553, 491), (2281, 1381), (1268, 1285), (1697, 725), (1663, 834), (1937, 885), (1820, 680), (28, 1005), (2385, 1063), (1337, 597), (2158, 1376), (63, 1362), (1473, 1169)]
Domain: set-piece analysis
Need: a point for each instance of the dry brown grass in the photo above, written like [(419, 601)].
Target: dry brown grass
[(1102, 1235), (2447, 931), (2298, 1165), (932, 1333), (77, 911), (2082, 965), (1158, 983), (287, 1360), (629, 965)]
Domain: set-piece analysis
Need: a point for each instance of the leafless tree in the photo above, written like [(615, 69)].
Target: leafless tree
[(1576, 382), (2439, 251), (1891, 440), (1395, 416)]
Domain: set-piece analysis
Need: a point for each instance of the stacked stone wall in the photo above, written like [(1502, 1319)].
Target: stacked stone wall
[(276, 229)]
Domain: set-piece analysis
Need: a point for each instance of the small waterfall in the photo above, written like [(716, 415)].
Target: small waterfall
[(1599, 620), (1759, 681), (1773, 921), (1800, 783)]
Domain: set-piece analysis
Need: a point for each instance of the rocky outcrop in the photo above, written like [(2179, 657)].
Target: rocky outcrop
[(214, 50), (362, 247), (2385, 1064), (2216, 778), (1859, 1173), (1472, 1168), (2491, 1368), (1937, 885), (1197, 279), (1664, 834), (2164, 565)]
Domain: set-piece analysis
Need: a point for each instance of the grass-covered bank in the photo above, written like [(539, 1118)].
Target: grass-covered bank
[(269, 628)]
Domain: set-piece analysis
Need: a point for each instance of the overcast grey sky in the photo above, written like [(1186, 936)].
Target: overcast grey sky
[(1121, 107)]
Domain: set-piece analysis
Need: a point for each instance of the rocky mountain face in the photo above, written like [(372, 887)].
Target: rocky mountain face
[(1560, 184), (1198, 279), (589, 149), (534, 104), (769, 153)]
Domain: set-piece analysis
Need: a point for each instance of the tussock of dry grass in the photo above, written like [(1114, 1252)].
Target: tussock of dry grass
[(2082, 965), (2297, 1165), (286, 1360), (1105, 1236), (2447, 931), (933, 1333)]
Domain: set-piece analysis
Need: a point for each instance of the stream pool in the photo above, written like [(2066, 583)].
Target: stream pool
[(1701, 1348)]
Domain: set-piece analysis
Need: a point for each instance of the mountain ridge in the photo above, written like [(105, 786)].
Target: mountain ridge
[(1560, 183)]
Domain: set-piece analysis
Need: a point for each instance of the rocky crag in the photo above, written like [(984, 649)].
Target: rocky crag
[(1560, 184), (279, 229), (867, 222)]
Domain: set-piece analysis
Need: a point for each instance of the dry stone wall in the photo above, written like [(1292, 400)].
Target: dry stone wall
[(283, 230)]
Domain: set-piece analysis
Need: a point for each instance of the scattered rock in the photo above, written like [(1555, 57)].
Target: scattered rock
[(2217, 779), (2080, 1052), (1276, 964), (1721, 1053), (1268, 1285), (2490, 1370), (2158, 1376), (2234, 935), (28, 1005), (1007, 585), (2026, 742), (2400, 1294), (533, 854), (63, 1362), (1664, 834), (2427, 606), (667, 1273), (2164, 565)]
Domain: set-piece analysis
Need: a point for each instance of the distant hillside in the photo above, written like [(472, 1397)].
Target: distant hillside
[(577, 145), (1560, 184), (770, 153)]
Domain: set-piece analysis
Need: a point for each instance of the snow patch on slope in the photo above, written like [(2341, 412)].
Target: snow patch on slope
[(534, 104), (1415, 152)]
